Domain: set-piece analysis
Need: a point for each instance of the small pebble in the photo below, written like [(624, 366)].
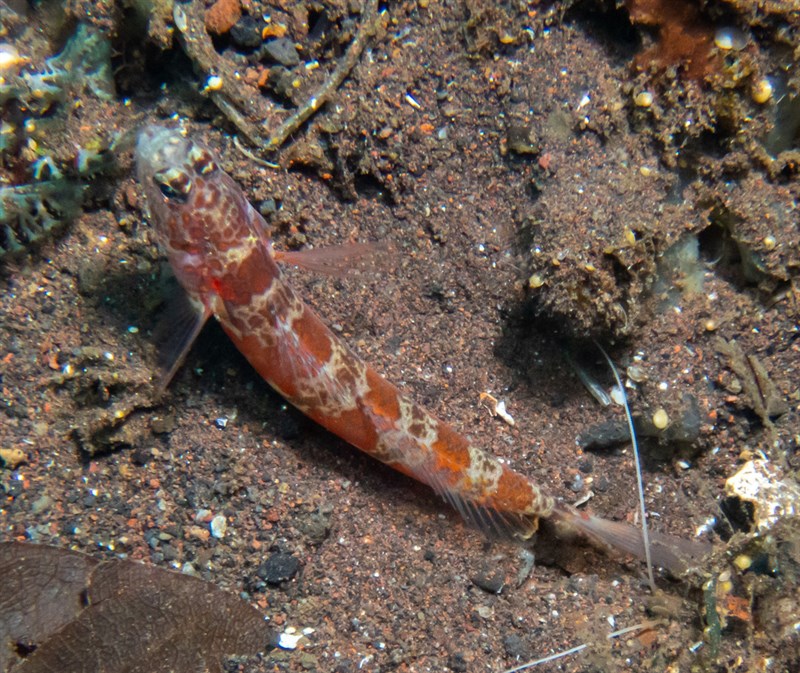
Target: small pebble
[(281, 51), (288, 641), (762, 91), (617, 395), (769, 243), (9, 57), (41, 505), (222, 16), (643, 99), (636, 374), (267, 207), (535, 281), (485, 611), (213, 83), (246, 33), (521, 138), (219, 526), (491, 581), (279, 567), (660, 419), (161, 425), (728, 38), (12, 458), (197, 533), (189, 569)]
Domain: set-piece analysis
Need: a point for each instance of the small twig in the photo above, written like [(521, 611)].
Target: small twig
[(253, 157), (234, 98), (323, 94), (637, 461)]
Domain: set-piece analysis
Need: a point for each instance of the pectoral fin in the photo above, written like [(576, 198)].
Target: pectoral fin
[(176, 332)]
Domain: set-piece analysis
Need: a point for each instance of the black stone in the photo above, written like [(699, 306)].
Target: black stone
[(282, 51), (279, 567), (246, 33)]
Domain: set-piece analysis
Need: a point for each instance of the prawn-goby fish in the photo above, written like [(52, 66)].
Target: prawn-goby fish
[(219, 252)]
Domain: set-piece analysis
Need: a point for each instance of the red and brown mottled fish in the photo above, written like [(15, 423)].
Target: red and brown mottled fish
[(217, 246)]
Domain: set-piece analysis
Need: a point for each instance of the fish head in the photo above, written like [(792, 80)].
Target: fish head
[(203, 221)]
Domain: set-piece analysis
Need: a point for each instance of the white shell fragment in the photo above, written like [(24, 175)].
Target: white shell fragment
[(288, 641), (497, 407), (291, 637), (758, 483), (9, 57), (219, 526), (729, 38)]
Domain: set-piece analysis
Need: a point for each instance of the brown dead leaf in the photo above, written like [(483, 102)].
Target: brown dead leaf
[(86, 616), (764, 396), (42, 592)]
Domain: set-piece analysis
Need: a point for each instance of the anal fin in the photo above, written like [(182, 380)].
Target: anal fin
[(493, 523)]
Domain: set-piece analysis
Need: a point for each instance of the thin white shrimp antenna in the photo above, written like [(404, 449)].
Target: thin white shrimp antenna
[(638, 463), (579, 648)]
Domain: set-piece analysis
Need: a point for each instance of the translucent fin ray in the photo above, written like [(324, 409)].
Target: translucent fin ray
[(176, 332), (336, 260), (674, 554)]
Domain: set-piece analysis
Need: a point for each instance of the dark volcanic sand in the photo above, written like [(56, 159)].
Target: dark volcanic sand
[(425, 146)]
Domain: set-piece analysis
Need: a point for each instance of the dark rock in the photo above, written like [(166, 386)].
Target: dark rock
[(140, 456), (68, 527), (601, 485), (278, 568), (515, 647), (280, 82), (317, 525), (163, 424), (170, 553), (457, 662), (522, 139), (14, 489), (490, 580), (281, 51), (246, 33), (604, 435)]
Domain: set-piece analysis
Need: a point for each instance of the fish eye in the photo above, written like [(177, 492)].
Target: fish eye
[(202, 160), (174, 184)]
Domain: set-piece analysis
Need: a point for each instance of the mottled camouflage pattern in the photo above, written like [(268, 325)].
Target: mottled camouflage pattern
[(216, 244)]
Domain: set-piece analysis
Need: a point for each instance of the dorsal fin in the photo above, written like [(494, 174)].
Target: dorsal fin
[(337, 260)]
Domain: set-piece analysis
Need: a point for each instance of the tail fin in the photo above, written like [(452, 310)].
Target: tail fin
[(674, 554)]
